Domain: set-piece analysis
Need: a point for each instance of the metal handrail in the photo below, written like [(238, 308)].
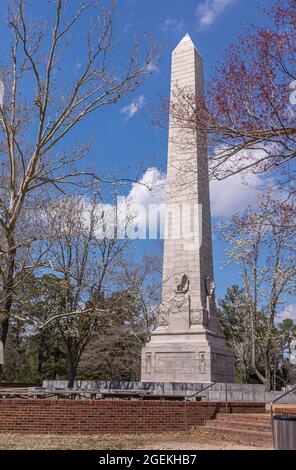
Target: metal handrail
[(206, 388), (200, 391), (203, 390), (271, 409), (226, 398), (285, 382), (191, 396)]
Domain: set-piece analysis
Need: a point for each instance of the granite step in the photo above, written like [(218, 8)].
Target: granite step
[(238, 435), (245, 425), (247, 428), (244, 417)]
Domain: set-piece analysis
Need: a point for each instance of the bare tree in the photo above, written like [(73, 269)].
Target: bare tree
[(262, 245), (143, 281), (38, 110), (132, 312), (81, 263), (235, 324)]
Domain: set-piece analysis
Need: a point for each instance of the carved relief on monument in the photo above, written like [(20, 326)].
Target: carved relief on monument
[(180, 301), (202, 362), (148, 363), (210, 291), (163, 316), (197, 317), (210, 286), (181, 298)]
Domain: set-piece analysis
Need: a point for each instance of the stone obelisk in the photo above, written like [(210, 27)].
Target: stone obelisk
[(187, 345)]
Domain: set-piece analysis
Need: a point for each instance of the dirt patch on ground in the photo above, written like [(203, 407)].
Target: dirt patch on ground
[(167, 441)]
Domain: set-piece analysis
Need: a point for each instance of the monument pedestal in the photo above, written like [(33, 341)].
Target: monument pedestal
[(188, 357)]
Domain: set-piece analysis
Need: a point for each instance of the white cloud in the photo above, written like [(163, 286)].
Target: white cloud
[(1, 93), (134, 107), (152, 68), (132, 212), (228, 196), (236, 192), (127, 27), (289, 313), (231, 195), (172, 25), (209, 10), (149, 190)]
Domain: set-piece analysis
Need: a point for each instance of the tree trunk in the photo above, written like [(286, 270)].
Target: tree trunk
[(3, 337), (72, 371), (8, 285), (4, 330), (56, 362), (274, 375), (267, 374), (40, 357)]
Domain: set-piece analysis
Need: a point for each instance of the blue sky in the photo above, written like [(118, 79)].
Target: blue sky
[(120, 141), (167, 21), (123, 138)]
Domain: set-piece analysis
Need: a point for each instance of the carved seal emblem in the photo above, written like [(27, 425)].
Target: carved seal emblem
[(181, 298)]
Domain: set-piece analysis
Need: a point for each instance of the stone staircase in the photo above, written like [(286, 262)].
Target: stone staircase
[(241, 427)]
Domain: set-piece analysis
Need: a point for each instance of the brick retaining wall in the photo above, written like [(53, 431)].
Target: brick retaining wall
[(31, 416), (285, 410)]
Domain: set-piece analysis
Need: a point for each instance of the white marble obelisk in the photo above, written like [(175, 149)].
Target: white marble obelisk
[(187, 345)]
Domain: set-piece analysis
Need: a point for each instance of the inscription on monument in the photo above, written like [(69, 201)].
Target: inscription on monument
[(183, 361)]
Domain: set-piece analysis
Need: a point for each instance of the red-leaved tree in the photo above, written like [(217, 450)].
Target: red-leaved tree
[(248, 112)]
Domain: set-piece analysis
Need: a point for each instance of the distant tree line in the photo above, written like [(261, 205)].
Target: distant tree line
[(106, 345)]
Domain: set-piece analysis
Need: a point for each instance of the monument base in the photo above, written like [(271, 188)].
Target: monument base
[(188, 357)]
